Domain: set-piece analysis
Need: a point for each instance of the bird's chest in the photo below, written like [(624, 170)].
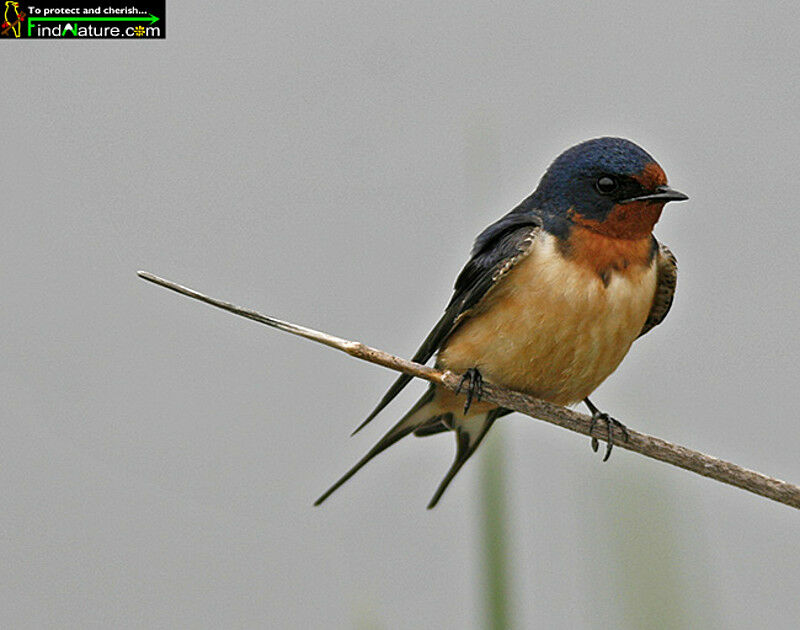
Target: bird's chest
[(555, 326)]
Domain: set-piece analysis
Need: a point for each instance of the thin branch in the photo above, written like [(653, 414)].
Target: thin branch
[(647, 445)]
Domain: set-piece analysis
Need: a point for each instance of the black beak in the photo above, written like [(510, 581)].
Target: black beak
[(663, 193)]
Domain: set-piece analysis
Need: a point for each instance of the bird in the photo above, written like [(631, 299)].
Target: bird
[(11, 17), (550, 301)]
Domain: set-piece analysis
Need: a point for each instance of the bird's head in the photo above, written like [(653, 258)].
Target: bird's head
[(609, 185)]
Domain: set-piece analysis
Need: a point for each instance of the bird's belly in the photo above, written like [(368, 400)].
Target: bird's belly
[(552, 328)]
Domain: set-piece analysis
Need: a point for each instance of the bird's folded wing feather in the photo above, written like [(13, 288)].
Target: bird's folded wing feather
[(667, 269), (497, 249)]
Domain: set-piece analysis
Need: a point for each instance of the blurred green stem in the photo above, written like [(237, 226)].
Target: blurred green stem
[(495, 539)]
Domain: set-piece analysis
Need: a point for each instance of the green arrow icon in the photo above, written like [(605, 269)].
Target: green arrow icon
[(152, 19)]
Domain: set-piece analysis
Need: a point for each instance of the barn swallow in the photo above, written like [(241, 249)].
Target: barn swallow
[(551, 299)]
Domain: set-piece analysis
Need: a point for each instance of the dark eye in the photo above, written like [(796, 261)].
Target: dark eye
[(606, 185)]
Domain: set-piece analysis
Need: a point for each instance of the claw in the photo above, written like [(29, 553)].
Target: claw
[(610, 423), (610, 443), (475, 388), (595, 441)]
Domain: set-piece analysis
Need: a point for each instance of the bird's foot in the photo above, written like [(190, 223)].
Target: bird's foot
[(474, 389), (610, 422)]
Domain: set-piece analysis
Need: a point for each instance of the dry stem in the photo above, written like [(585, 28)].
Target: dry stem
[(647, 445)]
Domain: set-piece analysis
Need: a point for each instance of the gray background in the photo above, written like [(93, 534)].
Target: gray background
[(331, 164)]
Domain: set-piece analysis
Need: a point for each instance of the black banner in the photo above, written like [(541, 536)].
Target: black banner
[(22, 19)]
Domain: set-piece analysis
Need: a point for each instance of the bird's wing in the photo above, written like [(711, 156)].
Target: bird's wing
[(667, 269), (497, 249)]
